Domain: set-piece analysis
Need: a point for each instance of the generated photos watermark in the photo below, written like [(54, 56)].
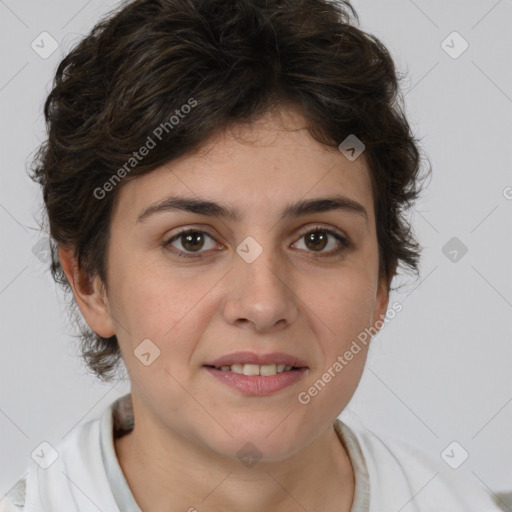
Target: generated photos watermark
[(151, 142), (304, 397)]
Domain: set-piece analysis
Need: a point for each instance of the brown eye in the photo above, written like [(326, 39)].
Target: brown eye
[(191, 241), (316, 240), (321, 238)]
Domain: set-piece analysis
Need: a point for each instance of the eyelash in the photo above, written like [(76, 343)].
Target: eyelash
[(344, 242)]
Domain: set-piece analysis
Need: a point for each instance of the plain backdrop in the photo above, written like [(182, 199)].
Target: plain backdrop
[(439, 372)]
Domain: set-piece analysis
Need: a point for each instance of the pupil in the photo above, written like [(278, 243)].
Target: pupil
[(193, 241), (315, 237)]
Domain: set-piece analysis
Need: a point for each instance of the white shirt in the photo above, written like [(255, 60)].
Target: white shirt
[(390, 476)]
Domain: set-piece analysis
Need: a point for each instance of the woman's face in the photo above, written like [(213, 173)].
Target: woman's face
[(262, 284)]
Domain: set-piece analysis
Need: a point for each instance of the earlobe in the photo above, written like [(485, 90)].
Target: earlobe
[(89, 293)]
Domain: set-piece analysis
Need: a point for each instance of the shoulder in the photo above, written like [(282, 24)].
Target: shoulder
[(48, 482), (406, 477)]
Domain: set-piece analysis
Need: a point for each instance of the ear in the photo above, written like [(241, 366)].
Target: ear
[(90, 295), (381, 302)]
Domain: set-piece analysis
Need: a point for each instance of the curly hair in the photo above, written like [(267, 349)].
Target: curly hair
[(228, 61)]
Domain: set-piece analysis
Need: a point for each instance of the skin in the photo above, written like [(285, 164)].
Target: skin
[(293, 298)]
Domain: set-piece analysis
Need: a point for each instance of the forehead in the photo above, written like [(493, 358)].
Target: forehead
[(256, 168)]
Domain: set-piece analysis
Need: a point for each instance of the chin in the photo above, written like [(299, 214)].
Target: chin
[(256, 443)]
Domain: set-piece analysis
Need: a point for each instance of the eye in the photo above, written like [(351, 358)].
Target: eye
[(319, 238), (191, 241)]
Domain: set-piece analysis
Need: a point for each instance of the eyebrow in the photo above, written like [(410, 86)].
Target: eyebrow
[(214, 209)]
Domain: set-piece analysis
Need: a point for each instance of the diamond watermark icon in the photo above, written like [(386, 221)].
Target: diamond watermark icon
[(249, 455), (454, 249), (454, 455), (352, 147), (44, 45), (42, 250), (45, 455), (454, 45), (146, 352), (249, 249)]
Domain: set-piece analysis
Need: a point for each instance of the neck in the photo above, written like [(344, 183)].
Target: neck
[(166, 472)]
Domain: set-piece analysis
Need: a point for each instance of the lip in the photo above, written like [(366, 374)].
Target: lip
[(259, 359), (257, 385)]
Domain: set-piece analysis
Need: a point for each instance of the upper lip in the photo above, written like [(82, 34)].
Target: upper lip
[(259, 359)]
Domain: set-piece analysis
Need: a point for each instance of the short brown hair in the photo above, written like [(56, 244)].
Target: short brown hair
[(237, 59)]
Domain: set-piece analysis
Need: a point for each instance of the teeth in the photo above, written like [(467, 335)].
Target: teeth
[(237, 368), (253, 369), (268, 369)]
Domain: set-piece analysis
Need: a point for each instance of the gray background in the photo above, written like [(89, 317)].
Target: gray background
[(438, 372)]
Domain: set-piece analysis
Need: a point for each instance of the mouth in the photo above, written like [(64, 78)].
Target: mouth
[(257, 374), (265, 370)]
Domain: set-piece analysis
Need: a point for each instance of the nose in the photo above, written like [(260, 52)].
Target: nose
[(260, 294)]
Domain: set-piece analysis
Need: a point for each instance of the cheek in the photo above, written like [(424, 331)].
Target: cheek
[(343, 310), (170, 310), (346, 306)]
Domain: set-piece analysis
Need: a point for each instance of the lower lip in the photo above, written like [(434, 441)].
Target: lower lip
[(256, 384)]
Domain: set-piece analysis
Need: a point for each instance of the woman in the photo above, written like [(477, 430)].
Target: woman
[(225, 183)]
